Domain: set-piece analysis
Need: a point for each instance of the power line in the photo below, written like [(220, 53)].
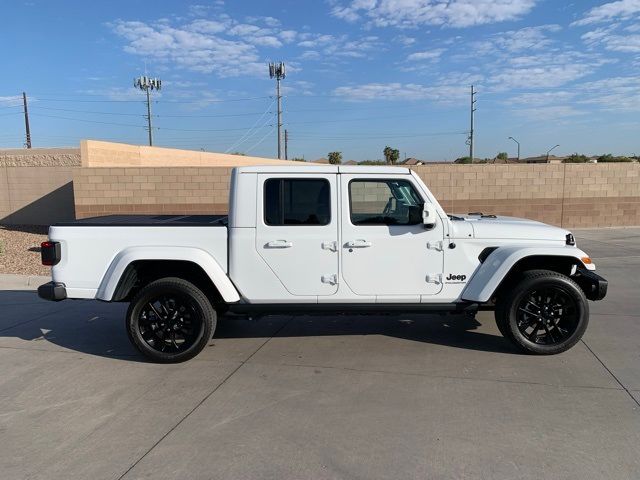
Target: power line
[(245, 136), (260, 141), (88, 121)]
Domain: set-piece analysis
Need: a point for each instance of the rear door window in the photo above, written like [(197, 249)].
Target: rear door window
[(297, 201)]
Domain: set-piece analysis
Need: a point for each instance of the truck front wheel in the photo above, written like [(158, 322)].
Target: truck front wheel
[(170, 320), (544, 313)]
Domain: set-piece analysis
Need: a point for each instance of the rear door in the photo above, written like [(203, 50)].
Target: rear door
[(386, 249), (297, 231)]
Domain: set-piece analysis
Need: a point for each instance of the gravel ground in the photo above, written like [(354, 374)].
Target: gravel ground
[(20, 249)]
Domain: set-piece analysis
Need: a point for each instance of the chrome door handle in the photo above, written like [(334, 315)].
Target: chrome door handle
[(359, 244), (279, 244)]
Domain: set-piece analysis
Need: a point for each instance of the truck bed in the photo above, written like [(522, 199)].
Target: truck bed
[(149, 221), (91, 248)]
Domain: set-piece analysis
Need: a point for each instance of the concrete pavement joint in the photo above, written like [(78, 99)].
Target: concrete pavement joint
[(206, 397), (612, 374)]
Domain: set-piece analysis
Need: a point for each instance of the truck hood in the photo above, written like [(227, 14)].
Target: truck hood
[(500, 227)]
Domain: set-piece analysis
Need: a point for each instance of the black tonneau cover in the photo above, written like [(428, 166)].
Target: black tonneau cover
[(149, 221)]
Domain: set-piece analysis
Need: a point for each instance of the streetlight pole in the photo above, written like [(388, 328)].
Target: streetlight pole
[(147, 84), (549, 151), (511, 138)]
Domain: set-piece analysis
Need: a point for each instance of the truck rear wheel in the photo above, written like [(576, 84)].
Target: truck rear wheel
[(170, 320), (544, 314)]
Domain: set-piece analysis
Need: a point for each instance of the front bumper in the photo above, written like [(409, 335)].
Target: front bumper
[(593, 285), (54, 291)]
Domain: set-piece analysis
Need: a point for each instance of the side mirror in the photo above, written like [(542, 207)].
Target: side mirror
[(429, 216)]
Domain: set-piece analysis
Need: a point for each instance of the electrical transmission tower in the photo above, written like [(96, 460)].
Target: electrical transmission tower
[(147, 84), (277, 71)]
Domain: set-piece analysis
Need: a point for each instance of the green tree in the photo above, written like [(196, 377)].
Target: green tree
[(576, 158), (502, 156), (335, 158), (610, 158), (371, 162), (298, 159), (391, 155), (463, 160)]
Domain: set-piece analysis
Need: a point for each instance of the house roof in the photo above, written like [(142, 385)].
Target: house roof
[(412, 161)]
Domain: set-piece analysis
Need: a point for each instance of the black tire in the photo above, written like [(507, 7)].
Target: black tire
[(544, 313), (170, 320)]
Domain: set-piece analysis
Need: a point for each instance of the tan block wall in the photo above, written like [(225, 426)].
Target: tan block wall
[(162, 190), (36, 195), (108, 154), (563, 194), (40, 157)]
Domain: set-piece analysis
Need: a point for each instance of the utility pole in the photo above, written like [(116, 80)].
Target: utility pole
[(511, 138), (286, 144), (26, 122), (473, 109), (277, 71), (147, 84)]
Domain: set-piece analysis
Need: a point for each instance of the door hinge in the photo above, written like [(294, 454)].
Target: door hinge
[(330, 279), (434, 278), (435, 245), (332, 246)]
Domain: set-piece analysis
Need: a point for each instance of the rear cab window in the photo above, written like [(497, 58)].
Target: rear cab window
[(297, 201)]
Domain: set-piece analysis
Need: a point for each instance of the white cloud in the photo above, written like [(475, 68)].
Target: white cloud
[(401, 91), (612, 41), (618, 10), (433, 55), (405, 40), (288, 36), (551, 112), (337, 46), (12, 101), (297, 87), (610, 94), (191, 46), (528, 38), (413, 13)]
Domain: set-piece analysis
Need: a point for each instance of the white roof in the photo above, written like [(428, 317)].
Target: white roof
[(368, 169)]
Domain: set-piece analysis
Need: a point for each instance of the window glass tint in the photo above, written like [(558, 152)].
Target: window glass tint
[(296, 201), (384, 202)]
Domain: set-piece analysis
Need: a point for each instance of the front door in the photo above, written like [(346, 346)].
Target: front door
[(297, 231), (386, 249)]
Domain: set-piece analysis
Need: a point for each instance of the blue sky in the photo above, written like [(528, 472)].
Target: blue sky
[(361, 74)]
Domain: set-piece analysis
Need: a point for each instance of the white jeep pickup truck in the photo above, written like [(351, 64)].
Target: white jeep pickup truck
[(323, 239)]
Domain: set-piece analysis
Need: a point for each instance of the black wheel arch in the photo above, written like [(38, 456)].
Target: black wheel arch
[(561, 264), (140, 273)]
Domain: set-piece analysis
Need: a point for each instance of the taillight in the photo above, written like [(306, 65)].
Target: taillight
[(50, 253)]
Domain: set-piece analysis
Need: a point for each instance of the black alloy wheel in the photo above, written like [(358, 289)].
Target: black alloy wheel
[(170, 320), (547, 316), (170, 323), (544, 313)]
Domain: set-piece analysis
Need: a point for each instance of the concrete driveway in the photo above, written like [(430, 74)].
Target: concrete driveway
[(350, 397)]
